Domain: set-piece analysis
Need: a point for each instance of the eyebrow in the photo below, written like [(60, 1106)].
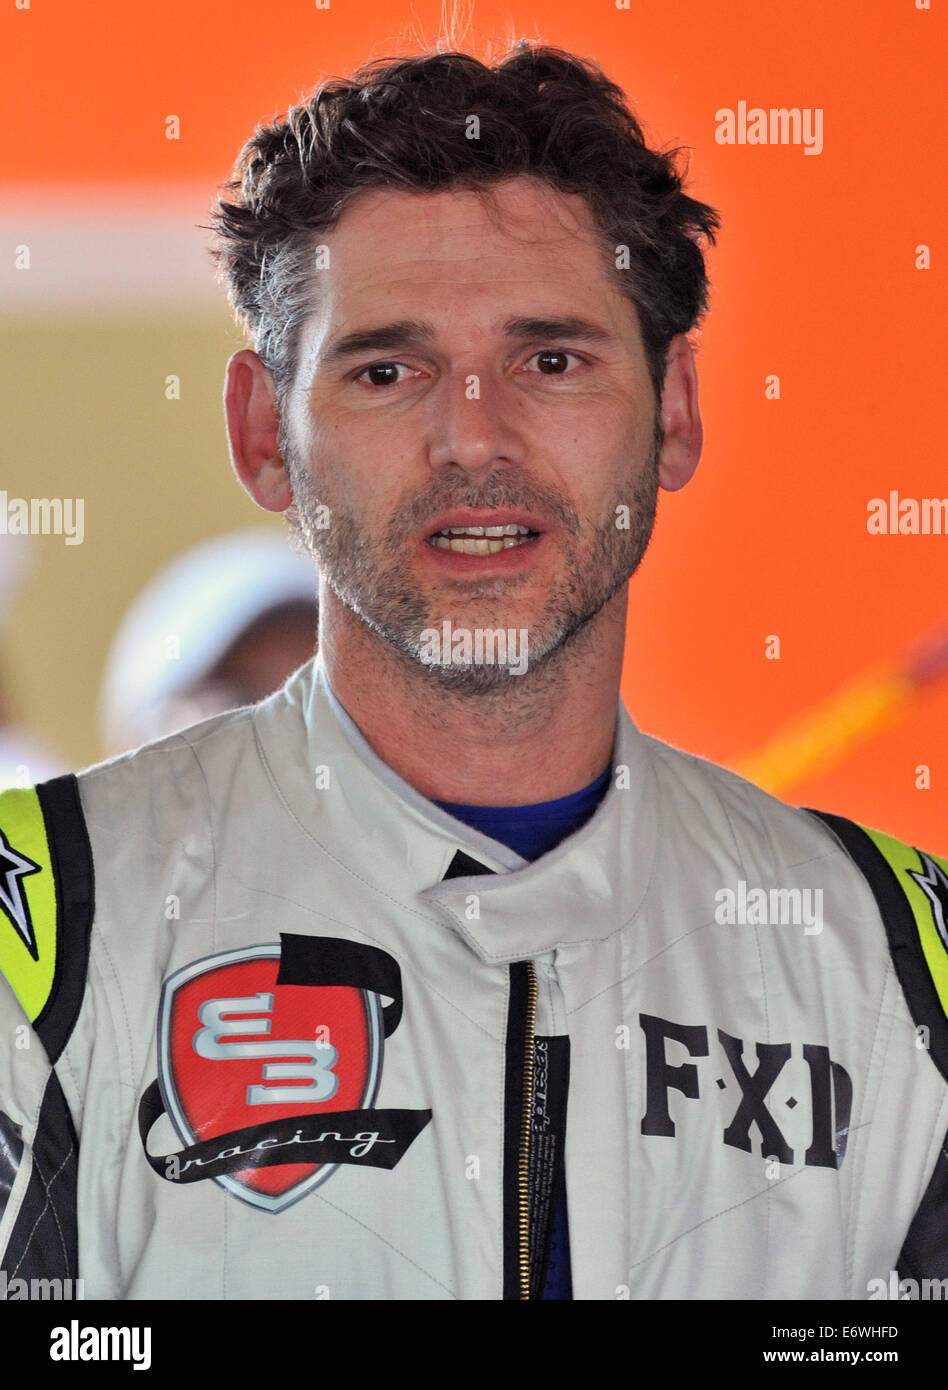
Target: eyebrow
[(415, 333), (402, 333), (570, 327)]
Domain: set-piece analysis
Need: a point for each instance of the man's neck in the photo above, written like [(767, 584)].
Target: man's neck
[(541, 735)]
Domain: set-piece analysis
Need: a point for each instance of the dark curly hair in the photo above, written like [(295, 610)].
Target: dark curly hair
[(404, 123)]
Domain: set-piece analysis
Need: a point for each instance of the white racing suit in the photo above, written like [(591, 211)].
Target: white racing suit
[(267, 1032)]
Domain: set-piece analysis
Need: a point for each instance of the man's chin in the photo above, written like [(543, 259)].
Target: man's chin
[(475, 681), (488, 660)]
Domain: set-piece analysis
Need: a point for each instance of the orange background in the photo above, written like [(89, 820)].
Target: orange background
[(814, 279)]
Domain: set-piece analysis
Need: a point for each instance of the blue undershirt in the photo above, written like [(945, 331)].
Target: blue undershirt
[(531, 831)]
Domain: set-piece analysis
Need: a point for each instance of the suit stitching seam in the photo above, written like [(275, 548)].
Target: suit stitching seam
[(628, 975), (118, 989), (122, 1055), (345, 868), (718, 1214), (853, 1213), (666, 946), (209, 822), (394, 1248), (49, 1203), (819, 858), (740, 854), (66, 1062), (769, 1034)]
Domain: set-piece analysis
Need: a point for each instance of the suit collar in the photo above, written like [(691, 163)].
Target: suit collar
[(394, 838)]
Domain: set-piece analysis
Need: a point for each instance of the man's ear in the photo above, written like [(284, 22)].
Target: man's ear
[(681, 420), (252, 430)]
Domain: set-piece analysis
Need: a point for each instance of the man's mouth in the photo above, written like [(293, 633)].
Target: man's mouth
[(482, 540)]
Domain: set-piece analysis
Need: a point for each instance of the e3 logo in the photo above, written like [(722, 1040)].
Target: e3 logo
[(228, 1019)]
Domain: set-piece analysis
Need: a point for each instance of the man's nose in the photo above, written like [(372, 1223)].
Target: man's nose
[(473, 422)]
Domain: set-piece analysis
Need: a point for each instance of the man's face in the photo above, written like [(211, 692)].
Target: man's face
[(471, 363)]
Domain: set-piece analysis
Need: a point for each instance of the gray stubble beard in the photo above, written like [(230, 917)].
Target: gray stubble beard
[(376, 585)]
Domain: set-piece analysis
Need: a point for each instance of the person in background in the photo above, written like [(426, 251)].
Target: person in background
[(222, 626)]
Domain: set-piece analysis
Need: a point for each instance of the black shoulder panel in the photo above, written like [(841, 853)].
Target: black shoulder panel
[(911, 888), (925, 1251), (72, 869)]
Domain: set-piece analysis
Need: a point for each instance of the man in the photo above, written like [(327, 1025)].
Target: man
[(430, 977)]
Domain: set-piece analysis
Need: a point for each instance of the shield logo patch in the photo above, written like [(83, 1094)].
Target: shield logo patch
[(239, 1049)]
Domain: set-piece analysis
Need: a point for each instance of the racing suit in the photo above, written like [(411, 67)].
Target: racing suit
[(268, 1028)]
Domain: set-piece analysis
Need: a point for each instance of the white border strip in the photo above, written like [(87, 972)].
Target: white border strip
[(107, 246)]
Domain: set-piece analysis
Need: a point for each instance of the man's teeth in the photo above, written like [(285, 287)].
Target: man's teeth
[(480, 540), (514, 529)]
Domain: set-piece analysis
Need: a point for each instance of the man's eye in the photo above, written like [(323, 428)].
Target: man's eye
[(383, 373), (554, 361)]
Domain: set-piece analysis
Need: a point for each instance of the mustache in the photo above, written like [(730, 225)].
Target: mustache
[(498, 491)]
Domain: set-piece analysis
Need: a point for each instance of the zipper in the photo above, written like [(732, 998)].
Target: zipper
[(523, 1158), (518, 1105)]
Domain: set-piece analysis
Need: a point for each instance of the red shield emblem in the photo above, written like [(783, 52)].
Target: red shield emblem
[(236, 1049)]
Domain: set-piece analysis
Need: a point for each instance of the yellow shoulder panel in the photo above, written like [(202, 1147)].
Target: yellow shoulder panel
[(27, 900), (923, 879)]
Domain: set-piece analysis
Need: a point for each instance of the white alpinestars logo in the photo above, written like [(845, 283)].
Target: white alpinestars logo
[(13, 867), (934, 884)]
